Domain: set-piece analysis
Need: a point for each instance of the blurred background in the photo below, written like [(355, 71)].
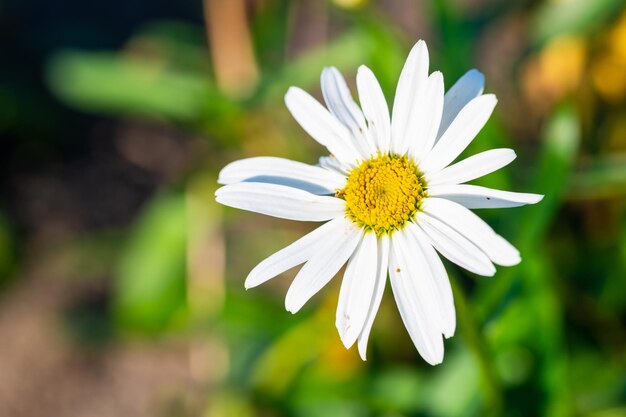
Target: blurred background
[(121, 280)]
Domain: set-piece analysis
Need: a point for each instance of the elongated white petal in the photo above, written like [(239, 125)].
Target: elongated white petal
[(474, 229), (455, 246), (280, 201), (333, 164), (375, 108), (298, 252), (357, 290), (461, 132), (440, 279), (468, 87), (473, 167), (382, 257), (323, 266), (339, 100), (282, 171), (426, 117), (321, 125), (474, 196), (412, 80), (423, 279), (412, 298)]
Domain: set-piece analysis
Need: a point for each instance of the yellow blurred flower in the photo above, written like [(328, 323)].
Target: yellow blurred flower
[(608, 73), (555, 72)]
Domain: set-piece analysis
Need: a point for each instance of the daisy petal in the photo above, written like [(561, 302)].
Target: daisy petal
[(474, 196), (426, 117), (455, 246), (421, 277), (357, 290), (440, 279), (333, 164), (323, 265), (412, 298), (321, 125), (374, 107), (475, 229), (339, 100), (468, 87), (413, 77), (298, 252), (381, 279), (282, 171), (461, 132), (280, 201), (475, 166)]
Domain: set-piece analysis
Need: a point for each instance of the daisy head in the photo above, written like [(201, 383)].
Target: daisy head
[(389, 195)]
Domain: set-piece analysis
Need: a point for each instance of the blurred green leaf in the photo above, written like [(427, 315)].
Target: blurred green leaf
[(475, 340), (150, 294), (561, 140), (119, 84), (538, 321), (602, 177), (398, 390), (335, 408), (598, 387), (346, 52), (460, 375), (229, 404), (561, 143), (278, 367), (555, 18), (253, 313), (270, 31)]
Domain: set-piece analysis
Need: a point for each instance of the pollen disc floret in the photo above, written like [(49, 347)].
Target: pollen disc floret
[(383, 193)]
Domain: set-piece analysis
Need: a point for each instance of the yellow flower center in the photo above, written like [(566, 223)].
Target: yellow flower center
[(383, 193)]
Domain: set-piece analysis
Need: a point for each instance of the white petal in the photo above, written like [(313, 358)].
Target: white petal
[(473, 167), (440, 279), (323, 266), (412, 79), (474, 196), (282, 171), (357, 290), (382, 257), (333, 164), (468, 87), (298, 252), (461, 132), (339, 100), (426, 117), (321, 125), (474, 229), (454, 246), (375, 108), (412, 298), (280, 201), (423, 278)]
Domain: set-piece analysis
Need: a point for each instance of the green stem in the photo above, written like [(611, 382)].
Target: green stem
[(478, 345)]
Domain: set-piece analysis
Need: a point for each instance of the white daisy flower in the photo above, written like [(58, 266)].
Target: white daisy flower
[(389, 197)]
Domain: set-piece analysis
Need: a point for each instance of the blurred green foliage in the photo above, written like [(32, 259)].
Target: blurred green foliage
[(544, 338), (572, 16), (151, 290)]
